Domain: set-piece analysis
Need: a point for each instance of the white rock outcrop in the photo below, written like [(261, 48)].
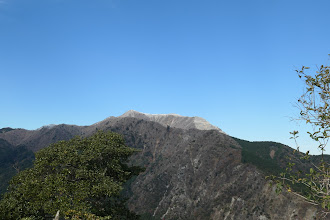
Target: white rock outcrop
[(174, 120)]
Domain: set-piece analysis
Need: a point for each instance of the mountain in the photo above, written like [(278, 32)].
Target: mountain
[(12, 160), (193, 169), (173, 120), (37, 139), (3, 130), (196, 174)]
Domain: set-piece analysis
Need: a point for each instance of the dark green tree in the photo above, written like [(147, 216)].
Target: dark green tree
[(81, 177)]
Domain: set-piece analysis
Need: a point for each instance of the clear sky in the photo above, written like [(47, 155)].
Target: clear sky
[(230, 62)]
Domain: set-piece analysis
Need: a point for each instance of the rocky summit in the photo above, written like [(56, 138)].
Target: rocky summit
[(174, 120), (193, 170)]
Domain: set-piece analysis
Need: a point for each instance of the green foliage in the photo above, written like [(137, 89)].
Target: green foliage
[(314, 107), (257, 154), (12, 160), (81, 177)]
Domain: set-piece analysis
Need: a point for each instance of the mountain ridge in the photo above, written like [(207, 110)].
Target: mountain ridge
[(190, 173), (45, 135), (174, 120)]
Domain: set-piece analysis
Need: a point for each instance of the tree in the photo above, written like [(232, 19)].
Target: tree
[(81, 177), (314, 106)]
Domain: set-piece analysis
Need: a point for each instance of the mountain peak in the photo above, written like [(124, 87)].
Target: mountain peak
[(173, 120), (47, 126), (134, 114)]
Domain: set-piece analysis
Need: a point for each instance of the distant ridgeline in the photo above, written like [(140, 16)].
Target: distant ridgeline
[(264, 155), (271, 157), (4, 130)]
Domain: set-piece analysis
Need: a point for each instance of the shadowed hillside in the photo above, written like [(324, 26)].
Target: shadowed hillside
[(12, 160)]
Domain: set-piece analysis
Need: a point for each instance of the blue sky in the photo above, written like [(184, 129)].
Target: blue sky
[(230, 62)]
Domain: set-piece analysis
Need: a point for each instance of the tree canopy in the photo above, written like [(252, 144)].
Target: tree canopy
[(81, 177)]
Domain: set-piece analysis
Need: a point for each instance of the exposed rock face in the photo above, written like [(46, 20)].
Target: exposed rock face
[(190, 173), (174, 120)]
